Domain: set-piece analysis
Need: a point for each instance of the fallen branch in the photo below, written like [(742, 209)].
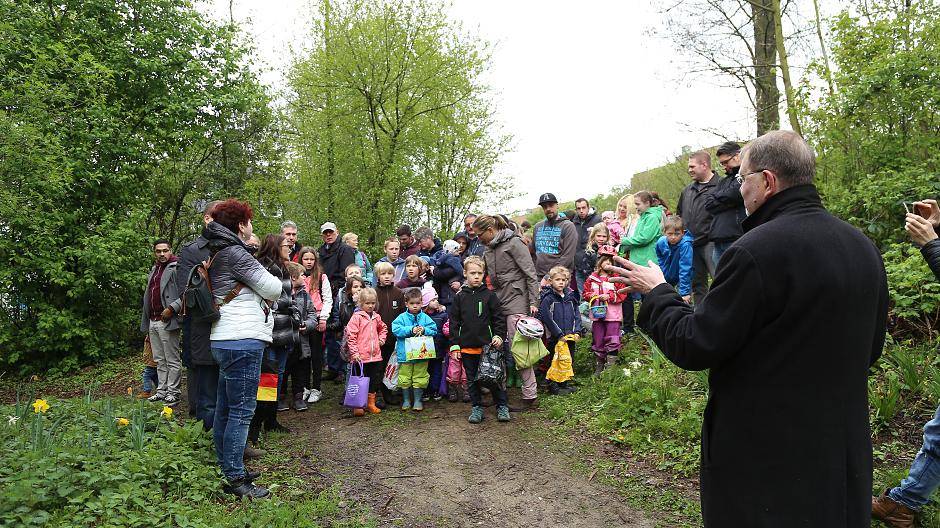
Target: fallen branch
[(399, 476)]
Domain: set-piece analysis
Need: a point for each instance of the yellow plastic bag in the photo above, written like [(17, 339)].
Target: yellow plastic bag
[(562, 369)]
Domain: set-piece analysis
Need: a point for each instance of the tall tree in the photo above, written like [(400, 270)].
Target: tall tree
[(386, 87), (117, 115), (785, 67)]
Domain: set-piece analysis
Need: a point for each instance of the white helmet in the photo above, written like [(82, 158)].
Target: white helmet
[(451, 246), (530, 327)]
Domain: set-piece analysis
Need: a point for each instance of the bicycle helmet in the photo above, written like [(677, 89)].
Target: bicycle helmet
[(530, 327)]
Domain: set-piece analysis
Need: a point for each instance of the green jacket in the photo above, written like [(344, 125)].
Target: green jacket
[(642, 245)]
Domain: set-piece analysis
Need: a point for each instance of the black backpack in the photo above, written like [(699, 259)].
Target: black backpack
[(198, 301)]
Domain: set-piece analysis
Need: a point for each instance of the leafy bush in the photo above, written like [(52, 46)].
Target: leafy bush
[(645, 403), (915, 295), (117, 463)]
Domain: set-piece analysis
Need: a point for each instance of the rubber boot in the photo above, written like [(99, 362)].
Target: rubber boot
[(405, 399), (599, 366), (553, 388), (566, 388), (611, 360), (371, 405), (466, 393), (452, 392), (419, 404), (359, 411)]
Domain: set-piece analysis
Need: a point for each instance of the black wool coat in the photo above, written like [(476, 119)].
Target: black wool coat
[(794, 319)]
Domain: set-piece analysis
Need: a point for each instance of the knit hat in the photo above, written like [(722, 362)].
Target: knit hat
[(427, 297)]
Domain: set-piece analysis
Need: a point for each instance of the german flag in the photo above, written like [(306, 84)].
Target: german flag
[(267, 385)]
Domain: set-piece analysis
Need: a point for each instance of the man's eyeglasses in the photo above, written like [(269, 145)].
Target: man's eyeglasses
[(740, 179)]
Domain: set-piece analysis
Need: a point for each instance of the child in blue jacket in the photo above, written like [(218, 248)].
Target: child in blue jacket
[(558, 311), (412, 375), (674, 251)]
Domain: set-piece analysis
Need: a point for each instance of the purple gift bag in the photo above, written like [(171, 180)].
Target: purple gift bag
[(357, 389)]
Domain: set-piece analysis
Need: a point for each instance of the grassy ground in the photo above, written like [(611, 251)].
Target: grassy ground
[(635, 428), (650, 412)]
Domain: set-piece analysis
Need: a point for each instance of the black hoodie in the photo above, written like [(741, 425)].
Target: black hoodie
[(475, 317)]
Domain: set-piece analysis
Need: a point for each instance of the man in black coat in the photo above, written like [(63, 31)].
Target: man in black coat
[(789, 331), (334, 256), (724, 203), (202, 372), (698, 220)]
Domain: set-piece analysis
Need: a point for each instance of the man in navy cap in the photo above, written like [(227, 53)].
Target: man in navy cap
[(554, 240)]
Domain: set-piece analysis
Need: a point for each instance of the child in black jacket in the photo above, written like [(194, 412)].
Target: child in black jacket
[(476, 320)]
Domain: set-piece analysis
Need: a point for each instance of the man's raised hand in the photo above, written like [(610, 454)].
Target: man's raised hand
[(640, 279)]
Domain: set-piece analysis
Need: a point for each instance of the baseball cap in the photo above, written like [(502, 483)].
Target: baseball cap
[(547, 198), (328, 226)]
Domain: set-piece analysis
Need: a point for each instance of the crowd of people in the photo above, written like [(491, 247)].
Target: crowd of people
[(739, 280)]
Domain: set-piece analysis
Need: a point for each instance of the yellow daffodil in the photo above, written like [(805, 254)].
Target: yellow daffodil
[(122, 422), (167, 412), (40, 406), (620, 437)]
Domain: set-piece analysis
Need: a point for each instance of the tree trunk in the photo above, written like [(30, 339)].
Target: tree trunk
[(822, 46), (767, 96), (785, 69)]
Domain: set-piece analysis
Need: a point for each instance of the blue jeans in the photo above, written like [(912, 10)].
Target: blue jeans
[(924, 475), (239, 373), (207, 388), (278, 354), (333, 360), (720, 248), (149, 377)]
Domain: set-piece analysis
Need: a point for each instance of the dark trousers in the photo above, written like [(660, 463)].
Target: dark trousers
[(702, 269), (333, 360), (297, 373), (436, 370), (471, 364), (374, 371), (628, 316), (316, 359), (206, 385)]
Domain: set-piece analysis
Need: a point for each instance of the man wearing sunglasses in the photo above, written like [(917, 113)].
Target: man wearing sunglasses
[(725, 203)]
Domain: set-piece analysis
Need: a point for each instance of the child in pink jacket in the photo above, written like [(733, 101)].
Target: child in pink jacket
[(365, 335)]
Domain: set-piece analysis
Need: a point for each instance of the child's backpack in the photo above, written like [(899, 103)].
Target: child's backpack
[(492, 370), (198, 301)]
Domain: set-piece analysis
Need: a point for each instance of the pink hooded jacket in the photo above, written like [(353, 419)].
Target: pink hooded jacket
[(365, 335)]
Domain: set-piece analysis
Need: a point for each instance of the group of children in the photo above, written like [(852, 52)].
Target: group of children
[(457, 336)]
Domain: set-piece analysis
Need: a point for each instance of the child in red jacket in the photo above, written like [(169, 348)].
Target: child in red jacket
[(365, 335), (606, 311)]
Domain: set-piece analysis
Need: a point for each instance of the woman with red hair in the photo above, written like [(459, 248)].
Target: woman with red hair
[(243, 289)]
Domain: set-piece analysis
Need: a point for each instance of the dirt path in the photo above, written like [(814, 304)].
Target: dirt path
[(434, 469)]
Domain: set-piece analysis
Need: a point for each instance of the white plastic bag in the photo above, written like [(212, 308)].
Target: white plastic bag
[(391, 372)]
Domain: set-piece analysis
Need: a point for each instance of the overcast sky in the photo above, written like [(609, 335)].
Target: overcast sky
[(589, 97)]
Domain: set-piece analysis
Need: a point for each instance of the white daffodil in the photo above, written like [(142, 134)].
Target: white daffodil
[(627, 373), (635, 364), (11, 420)]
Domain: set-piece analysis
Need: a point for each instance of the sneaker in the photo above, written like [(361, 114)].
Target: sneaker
[(299, 404), (245, 488), (156, 397), (171, 401), (143, 395), (313, 396), (466, 396), (502, 414), (283, 404), (476, 415), (437, 396)]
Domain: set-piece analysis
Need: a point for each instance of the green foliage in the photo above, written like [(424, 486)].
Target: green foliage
[(78, 465), (645, 403), (915, 295), (391, 122), (118, 118)]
